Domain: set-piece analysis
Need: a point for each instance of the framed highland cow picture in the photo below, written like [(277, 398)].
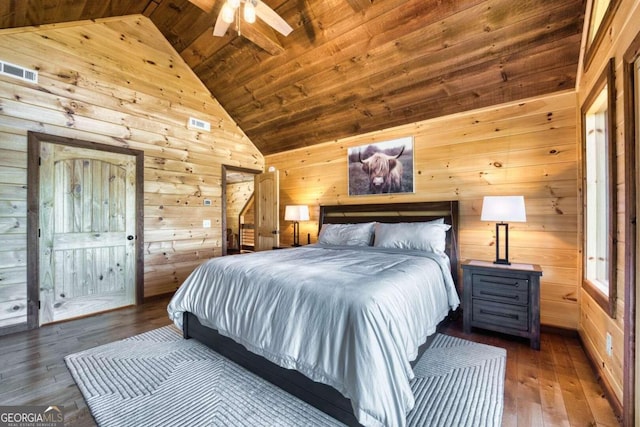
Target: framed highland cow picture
[(381, 168)]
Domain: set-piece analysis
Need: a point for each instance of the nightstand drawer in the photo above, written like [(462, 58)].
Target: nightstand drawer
[(511, 290), (502, 315)]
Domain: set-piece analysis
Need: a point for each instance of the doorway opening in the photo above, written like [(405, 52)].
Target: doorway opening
[(238, 210)]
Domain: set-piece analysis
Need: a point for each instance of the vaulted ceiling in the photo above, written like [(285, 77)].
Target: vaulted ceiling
[(354, 66)]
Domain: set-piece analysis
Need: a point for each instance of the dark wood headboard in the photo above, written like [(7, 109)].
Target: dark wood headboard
[(400, 212)]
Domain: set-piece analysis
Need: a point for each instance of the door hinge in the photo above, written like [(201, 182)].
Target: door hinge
[(38, 232), (39, 306), (39, 161)]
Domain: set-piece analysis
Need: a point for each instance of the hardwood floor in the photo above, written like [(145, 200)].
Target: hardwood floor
[(553, 387), (32, 367)]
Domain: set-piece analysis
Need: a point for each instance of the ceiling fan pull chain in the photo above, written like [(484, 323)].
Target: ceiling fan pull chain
[(238, 21)]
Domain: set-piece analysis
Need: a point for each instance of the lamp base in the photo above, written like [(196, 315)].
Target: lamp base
[(296, 234), (505, 257)]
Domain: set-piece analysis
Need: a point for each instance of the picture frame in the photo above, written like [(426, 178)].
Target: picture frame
[(379, 168)]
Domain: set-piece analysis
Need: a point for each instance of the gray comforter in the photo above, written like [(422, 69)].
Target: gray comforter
[(350, 317)]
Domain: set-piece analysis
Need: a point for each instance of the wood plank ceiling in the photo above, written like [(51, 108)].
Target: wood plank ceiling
[(355, 66)]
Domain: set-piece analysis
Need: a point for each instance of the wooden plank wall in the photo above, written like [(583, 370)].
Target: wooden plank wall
[(528, 148), (13, 228), (119, 82), (595, 322)]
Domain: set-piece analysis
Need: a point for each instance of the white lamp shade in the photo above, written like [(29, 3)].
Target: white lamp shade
[(249, 12), (296, 213), (228, 14), (503, 209)]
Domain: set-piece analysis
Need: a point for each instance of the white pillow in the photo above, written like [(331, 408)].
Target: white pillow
[(347, 234), (422, 236)]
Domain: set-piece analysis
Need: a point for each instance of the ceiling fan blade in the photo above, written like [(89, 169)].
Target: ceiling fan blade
[(206, 5), (221, 27), (269, 16)]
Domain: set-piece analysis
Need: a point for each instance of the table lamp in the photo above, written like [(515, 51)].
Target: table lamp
[(503, 209), (296, 213)]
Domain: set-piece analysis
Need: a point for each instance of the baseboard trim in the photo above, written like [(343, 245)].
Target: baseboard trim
[(153, 298), (558, 330), (13, 329), (609, 394)]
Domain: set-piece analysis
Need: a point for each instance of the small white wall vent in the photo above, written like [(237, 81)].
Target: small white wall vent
[(199, 124), (18, 72)]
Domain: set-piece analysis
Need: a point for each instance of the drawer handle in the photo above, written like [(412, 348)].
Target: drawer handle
[(492, 294), (496, 313), (514, 284)]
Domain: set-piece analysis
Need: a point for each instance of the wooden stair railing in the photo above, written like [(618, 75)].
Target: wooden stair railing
[(247, 225)]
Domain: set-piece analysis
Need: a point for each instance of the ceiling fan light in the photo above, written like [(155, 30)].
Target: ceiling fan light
[(228, 14), (234, 3), (249, 12)]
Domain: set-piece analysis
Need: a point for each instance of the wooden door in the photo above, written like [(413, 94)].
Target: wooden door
[(267, 226), (87, 226)]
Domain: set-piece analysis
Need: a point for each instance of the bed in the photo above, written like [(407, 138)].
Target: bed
[(336, 324)]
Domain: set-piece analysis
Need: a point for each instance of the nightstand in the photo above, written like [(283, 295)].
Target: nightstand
[(502, 298)]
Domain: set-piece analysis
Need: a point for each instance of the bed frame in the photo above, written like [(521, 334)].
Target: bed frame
[(322, 396)]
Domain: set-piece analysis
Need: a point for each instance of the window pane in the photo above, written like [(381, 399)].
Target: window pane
[(597, 14), (597, 198)]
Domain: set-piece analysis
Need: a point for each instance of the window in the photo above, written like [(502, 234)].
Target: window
[(599, 189), (598, 10), (602, 12)]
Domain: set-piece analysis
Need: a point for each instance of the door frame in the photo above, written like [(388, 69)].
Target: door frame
[(631, 179), (34, 140), (223, 201)]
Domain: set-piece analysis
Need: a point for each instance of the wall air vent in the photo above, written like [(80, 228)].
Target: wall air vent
[(199, 124), (18, 72)]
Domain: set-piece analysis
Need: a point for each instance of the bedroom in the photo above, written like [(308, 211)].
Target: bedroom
[(143, 101)]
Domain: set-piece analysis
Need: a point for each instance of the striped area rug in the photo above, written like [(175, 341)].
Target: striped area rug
[(159, 379)]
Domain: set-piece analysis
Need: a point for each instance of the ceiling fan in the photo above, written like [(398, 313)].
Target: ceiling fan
[(230, 13)]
